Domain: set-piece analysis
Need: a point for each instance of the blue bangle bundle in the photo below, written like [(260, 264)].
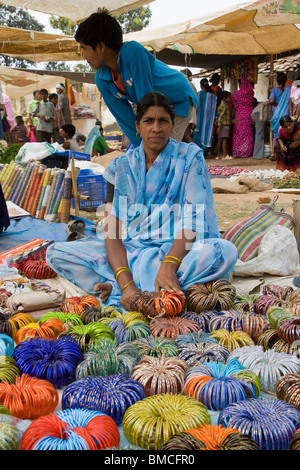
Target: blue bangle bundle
[(78, 429), (107, 358), (195, 354), (202, 318), (7, 345), (111, 394), (195, 337), (128, 326), (270, 422), (156, 346), (217, 385), (52, 360), (230, 320)]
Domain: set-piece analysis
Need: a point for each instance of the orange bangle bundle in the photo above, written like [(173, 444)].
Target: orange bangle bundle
[(29, 397), (78, 305), (170, 304), (50, 329)]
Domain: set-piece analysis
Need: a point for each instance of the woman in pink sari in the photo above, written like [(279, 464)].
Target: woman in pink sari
[(242, 146)]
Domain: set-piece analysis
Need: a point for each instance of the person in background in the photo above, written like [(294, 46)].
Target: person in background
[(294, 102), (45, 113), (21, 129), (287, 145), (215, 86), (259, 126), (64, 103), (67, 131), (33, 121), (276, 92), (1, 109), (58, 120), (189, 133), (206, 113), (7, 115), (224, 122), (127, 71), (242, 100), (95, 143)]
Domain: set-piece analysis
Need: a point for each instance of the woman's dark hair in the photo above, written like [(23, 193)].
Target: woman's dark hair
[(225, 94), (100, 27), (281, 78), (69, 129), (154, 98), (204, 83), (285, 119), (19, 120)]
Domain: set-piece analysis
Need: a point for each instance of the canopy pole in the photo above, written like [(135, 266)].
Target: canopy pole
[(271, 80)]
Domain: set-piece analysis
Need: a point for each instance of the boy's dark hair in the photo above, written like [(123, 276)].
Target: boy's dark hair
[(154, 98), (35, 92), (52, 95), (225, 94), (100, 27), (69, 129), (44, 90)]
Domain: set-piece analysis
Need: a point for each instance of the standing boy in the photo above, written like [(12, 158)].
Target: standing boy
[(44, 111), (125, 72), (224, 121), (58, 119)]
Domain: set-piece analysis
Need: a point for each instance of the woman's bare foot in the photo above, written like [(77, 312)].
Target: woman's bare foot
[(105, 288)]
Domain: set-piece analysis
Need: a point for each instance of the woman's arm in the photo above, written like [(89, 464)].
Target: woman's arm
[(117, 257), (166, 278)]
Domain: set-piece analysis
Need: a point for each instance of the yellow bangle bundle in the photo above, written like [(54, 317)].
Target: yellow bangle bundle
[(172, 259)]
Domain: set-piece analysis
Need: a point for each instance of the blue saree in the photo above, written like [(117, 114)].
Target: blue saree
[(282, 109), (206, 113), (154, 206)]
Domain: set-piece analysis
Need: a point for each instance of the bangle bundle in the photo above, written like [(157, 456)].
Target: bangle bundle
[(202, 318), (254, 325), (18, 321), (170, 327), (112, 394), (295, 441), (264, 302), (230, 320), (128, 326), (6, 345), (29, 397), (150, 422), (268, 338), (52, 360), (65, 317), (245, 303), (108, 358), (214, 295), (156, 346), (88, 334), (269, 422), (211, 437), (289, 330), (8, 370), (276, 315), (268, 365), (38, 269), (217, 385), (282, 292), (195, 354), (5, 326), (151, 305), (78, 305), (50, 329), (232, 339), (71, 430), (9, 437), (194, 338), (160, 374), (288, 388)]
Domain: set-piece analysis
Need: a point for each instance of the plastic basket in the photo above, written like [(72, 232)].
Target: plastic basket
[(93, 185)]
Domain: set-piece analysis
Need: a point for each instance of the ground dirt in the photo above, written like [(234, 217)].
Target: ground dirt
[(233, 208)]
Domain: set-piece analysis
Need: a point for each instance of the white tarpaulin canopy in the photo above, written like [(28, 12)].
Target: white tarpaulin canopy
[(77, 10)]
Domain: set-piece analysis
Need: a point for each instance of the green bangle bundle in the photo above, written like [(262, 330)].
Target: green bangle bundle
[(151, 422), (156, 347), (9, 437)]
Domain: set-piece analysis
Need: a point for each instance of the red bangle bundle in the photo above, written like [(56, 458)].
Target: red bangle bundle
[(38, 269), (29, 397)]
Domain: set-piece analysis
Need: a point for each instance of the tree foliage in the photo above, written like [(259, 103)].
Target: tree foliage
[(15, 17)]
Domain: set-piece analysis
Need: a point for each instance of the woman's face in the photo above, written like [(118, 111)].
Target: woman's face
[(155, 128), (288, 127)]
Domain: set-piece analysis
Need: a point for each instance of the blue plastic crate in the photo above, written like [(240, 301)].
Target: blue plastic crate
[(113, 137), (93, 185)]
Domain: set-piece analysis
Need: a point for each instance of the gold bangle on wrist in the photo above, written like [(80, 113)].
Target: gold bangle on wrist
[(119, 271), (170, 261), (177, 260), (124, 287)]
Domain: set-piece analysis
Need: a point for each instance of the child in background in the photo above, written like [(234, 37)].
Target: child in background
[(224, 121), (58, 119), (67, 131), (21, 129), (44, 111)]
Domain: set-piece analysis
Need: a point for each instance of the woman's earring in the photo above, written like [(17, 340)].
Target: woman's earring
[(137, 135)]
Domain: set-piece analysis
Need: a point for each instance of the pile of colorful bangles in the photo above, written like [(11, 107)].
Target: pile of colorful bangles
[(210, 370)]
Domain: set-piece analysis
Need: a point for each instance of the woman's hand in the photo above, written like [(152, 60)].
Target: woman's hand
[(127, 295), (166, 279), (283, 148), (295, 144)]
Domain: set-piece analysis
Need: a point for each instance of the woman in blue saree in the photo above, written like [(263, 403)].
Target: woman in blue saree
[(161, 230)]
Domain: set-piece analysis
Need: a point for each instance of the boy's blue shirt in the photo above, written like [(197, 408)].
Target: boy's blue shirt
[(142, 73)]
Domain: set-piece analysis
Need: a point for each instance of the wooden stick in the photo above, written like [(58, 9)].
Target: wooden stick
[(74, 184), (296, 215)]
